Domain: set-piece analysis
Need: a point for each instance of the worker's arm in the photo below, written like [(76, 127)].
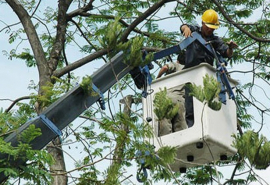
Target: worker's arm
[(163, 70), (186, 30), (232, 45)]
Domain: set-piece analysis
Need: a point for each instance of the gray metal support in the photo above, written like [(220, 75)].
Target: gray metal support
[(70, 106)]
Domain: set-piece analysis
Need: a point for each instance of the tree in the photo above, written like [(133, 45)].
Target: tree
[(99, 29)]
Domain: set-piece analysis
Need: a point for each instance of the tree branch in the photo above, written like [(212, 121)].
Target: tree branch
[(141, 18), (60, 34), (81, 11), (33, 39), (229, 19), (79, 63), (15, 101)]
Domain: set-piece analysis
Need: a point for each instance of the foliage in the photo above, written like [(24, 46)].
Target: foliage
[(132, 48), (7, 122), (27, 56), (163, 105), (157, 162), (51, 92), (167, 154), (134, 54), (112, 35), (200, 175), (37, 161), (86, 85), (208, 93), (244, 119), (258, 150)]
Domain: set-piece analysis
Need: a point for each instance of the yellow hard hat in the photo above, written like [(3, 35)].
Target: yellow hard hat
[(210, 18)]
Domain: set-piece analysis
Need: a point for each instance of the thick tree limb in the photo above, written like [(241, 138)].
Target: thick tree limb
[(33, 40), (79, 63), (81, 11), (60, 34)]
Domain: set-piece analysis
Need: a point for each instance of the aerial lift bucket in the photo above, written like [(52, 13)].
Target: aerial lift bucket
[(210, 138)]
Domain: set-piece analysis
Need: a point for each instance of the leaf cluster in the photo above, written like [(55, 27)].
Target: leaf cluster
[(208, 93), (7, 122), (157, 162), (112, 35), (133, 52), (163, 105), (132, 48), (200, 175), (51, 92), (36, 161), (255, 148), (87, 87)]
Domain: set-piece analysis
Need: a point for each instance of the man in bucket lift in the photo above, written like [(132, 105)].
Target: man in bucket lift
[(196, 55), (173, 66), (176, 94)]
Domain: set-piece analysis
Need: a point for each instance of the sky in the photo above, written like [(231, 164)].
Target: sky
[(16, 77)]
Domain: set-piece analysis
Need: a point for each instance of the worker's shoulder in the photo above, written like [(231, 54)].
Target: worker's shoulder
[(215, 37), (195, 27)]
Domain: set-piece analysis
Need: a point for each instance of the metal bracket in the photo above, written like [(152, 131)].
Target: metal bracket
[(222, 72), (148, 80), (50, 125), (183, 45), (101, 99), (222, 94)]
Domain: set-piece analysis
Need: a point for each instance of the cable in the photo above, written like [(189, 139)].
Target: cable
[(209, 149)]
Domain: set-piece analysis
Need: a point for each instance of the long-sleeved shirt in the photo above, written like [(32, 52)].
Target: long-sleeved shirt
[(195, 54)]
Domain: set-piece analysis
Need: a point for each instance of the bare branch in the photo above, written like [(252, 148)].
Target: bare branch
[(16, 101), (142, 18), (229, 19)]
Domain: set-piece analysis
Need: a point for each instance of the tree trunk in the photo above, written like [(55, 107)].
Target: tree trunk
[(46, 69), (58, 169)]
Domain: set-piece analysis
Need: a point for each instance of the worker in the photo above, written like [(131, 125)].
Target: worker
[(173, 66), (195, 54), (176, 94)]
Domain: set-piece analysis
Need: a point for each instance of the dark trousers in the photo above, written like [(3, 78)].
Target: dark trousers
[(189, 108)]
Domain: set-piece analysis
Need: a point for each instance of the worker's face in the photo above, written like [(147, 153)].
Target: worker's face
[(206, 31)]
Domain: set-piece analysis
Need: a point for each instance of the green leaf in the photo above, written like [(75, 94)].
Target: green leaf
[(163, 105), (208, 93), (258, 150)]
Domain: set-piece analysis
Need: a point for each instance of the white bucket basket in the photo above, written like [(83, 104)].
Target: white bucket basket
[(210, 138)]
